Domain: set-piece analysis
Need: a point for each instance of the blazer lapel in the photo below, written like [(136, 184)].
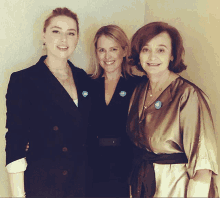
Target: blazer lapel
[(82, 82), (52, 90)]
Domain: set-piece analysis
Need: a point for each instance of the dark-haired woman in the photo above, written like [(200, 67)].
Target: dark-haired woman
[(169, 122), (47, 108), (109, 145)]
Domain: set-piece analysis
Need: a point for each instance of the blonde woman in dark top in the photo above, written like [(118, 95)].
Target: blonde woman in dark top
[(47, 107), (113, 86)]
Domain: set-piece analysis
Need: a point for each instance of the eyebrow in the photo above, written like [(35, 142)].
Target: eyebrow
[(61, 28), (110, 47), (161, 45)]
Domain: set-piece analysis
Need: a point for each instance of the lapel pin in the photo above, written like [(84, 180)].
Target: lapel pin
[(122, 93), (85, 93), (158, 104)]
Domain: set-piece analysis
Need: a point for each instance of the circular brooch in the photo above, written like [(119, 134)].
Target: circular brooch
[(122, 93), (158, 104), (85, 93)]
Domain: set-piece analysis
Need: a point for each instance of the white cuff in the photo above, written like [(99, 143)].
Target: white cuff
[(17, 166)]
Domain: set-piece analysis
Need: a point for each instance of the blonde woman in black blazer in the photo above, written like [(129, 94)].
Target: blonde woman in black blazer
[(47, 107)]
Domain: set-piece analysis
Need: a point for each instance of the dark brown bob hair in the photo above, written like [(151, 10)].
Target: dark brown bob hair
[(61, 12), (149, 31)]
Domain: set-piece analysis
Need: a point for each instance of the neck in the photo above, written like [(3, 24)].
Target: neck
[(55, 64), (112, 76), (157, 80)]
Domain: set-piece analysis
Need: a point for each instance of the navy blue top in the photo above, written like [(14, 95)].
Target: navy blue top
[(109, 121)]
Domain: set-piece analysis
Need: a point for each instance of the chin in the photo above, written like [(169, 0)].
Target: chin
[(63, 56)]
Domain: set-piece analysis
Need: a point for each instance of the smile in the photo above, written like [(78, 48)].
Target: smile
[(153, 64), (62, 48), (109, 62)]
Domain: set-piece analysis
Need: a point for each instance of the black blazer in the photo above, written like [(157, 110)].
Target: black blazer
[(41, 112)]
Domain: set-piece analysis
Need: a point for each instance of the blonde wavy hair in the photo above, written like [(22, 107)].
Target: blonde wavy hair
[(119, 36)]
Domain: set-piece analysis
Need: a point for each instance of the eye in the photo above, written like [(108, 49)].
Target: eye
[(55, 31), (114, 49), (71, 33), (101, 50), (144, 49), (161, 50)]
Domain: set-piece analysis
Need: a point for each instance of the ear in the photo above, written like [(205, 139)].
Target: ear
[(125, 51), (171, 58), (43, 37), (77, 38)]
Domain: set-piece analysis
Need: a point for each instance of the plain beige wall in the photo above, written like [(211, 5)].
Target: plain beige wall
[(199, 23), (21, 25)]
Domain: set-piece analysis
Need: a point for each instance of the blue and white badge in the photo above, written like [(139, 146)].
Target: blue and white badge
[(158, 104), (122, 93), (85, 93)]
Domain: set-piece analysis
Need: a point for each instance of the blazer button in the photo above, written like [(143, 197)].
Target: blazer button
[(55, 128), (65, 172), (64, 149)]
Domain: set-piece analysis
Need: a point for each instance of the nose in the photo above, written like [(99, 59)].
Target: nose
[(107, 55), (152, 55), (63, 37)]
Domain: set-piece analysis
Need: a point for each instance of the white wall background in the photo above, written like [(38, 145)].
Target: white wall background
[(199, 23), (20, 36)]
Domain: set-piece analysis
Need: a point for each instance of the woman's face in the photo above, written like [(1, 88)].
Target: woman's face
[(61, 37), (156, 55), (110, 54)]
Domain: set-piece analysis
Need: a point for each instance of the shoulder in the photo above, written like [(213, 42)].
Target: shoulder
[(24, 74), (141, 82), (136, 79), (97, 83), (32, 70), (77, 70), (187, 90)]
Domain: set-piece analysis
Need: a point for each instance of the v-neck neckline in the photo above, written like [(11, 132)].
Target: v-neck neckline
[(61, 86), (113, 95), (156, 98)]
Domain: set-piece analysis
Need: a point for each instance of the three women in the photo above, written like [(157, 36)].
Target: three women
[(169, 119)]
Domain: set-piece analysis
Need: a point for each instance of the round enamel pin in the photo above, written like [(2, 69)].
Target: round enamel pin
[(85, 93), (158, 104), (122, 93)]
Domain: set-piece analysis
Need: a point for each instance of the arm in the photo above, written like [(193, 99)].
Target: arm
[(199, 185), (16, 176), (16, 137), (199, 143), (17, 184)]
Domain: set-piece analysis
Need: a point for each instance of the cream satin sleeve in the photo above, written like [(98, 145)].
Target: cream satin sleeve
[(196, 126), (17, 166)]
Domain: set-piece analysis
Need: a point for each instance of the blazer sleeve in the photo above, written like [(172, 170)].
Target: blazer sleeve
[(17, 118), (197, 128)]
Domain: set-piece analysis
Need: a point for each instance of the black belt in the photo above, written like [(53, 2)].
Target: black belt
[(109, 141), (143, 170)]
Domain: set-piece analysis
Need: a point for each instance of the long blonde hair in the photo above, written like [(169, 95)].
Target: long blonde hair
[(118, 35)]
